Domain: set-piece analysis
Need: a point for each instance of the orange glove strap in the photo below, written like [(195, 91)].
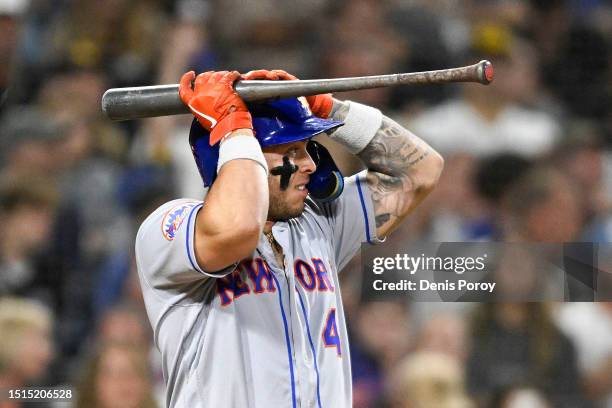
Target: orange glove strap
[(233, 121), (321, 105)]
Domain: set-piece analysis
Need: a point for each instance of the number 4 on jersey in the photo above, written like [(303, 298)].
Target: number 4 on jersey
[(330, 332)]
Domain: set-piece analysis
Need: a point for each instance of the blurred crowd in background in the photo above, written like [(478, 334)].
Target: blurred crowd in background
[(527, 159)]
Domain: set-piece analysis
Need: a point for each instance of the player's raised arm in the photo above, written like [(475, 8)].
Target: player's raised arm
[(402, 169), (232, 218)]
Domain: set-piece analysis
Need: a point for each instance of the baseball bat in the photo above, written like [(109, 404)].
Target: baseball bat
[(163, 100)]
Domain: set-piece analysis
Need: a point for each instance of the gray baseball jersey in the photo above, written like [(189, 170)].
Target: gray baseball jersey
[(256, 334)]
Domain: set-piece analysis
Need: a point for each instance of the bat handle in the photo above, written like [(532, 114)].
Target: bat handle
[(163, 100)]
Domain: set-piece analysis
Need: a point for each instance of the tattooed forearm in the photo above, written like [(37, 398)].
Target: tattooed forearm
[(402, 169), (392, 197), (382, 219), (388, 196), (394, 150)]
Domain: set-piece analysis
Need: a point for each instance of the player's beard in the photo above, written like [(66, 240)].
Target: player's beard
[(280, 208)]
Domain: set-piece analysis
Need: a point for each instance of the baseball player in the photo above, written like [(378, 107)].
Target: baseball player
[(242, 288)]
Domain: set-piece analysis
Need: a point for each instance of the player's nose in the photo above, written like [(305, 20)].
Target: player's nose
[(307, 165)]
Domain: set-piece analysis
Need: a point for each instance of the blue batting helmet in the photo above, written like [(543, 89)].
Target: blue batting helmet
[(278, 122)]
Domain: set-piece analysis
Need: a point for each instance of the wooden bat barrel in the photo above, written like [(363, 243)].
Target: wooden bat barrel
[(163, 100)]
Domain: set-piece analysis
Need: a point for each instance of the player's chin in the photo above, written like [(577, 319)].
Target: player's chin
[(296, 208)]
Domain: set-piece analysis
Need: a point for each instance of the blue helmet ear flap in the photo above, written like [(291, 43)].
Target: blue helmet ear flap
[(326, 183)]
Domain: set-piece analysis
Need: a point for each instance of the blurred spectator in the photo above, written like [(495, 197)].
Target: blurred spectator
[(28, 143), (428, 380), (116, 376), (124, 324), (493, 176), (73, 91), (589, 325), (583, 84), (91, 224), (521, 397), (162, 141), (490, 120), (506, 12), (88, 183), (27, 207), (374, 352), (482, 122), (285, 34), (573, 40), (454, 211), (26, 347), (581, 155), (432, 35), (523, 273), (393, 335), (518, 343), (444, 333), (353, 54), (10, 19), (542, 206), (141, 190), (119, 36)]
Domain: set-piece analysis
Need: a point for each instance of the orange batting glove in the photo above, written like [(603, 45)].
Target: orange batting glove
[(320, 105), (215, 103)]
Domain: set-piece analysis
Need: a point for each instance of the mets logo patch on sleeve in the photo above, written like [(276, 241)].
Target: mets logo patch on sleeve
[(174, 218)]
